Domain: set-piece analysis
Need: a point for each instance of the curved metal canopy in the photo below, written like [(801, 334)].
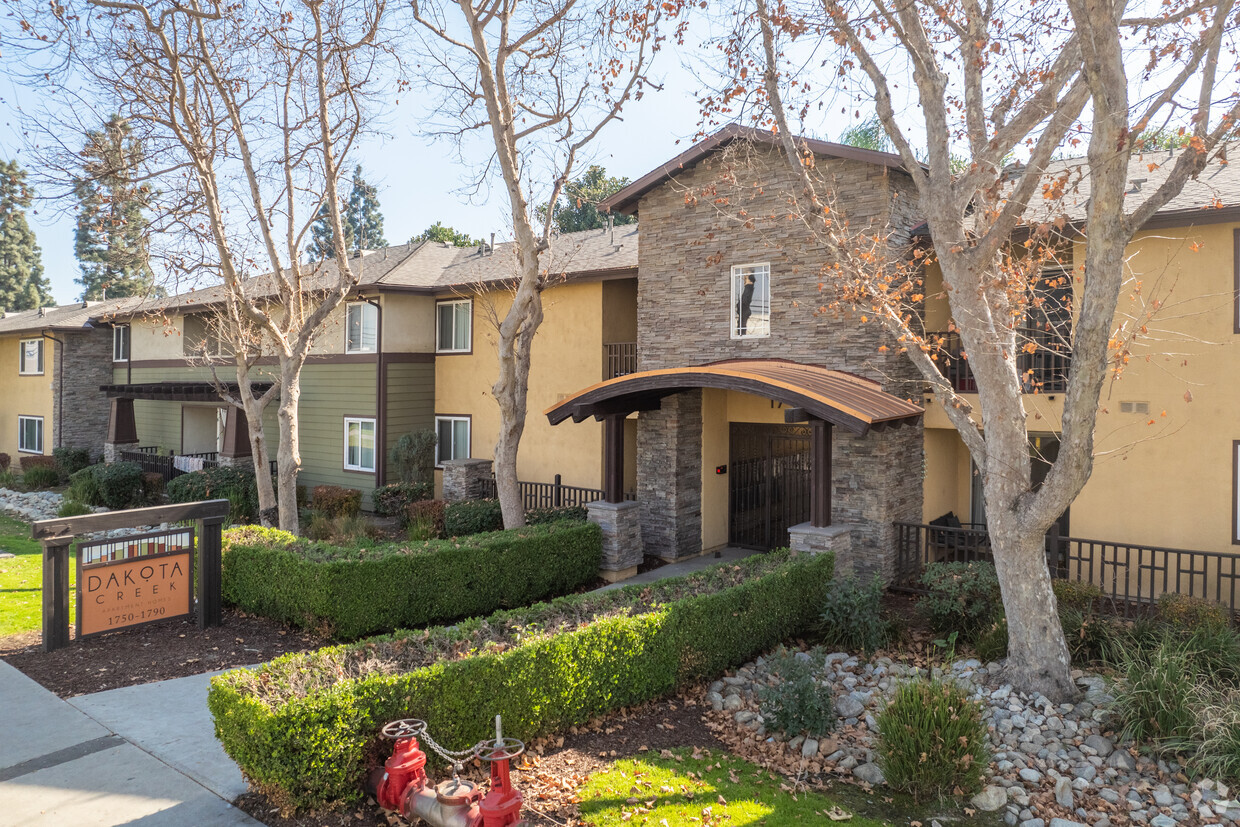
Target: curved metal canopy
[(843, 399)]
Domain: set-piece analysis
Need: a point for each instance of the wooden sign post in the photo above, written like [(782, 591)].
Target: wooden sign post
[(144, 577)]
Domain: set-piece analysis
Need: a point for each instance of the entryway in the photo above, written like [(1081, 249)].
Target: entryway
[(768, 483)]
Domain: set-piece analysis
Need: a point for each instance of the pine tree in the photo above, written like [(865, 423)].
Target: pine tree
[(363, 223), (578, 209), (22, 285), (111, 238)]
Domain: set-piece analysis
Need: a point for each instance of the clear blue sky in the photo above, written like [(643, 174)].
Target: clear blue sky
[(419, 181)]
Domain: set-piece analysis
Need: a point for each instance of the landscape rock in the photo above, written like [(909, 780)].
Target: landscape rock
[(990, 799), (870, 773)]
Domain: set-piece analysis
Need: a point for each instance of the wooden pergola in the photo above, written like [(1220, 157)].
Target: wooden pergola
[(123, 427), (814, 395)]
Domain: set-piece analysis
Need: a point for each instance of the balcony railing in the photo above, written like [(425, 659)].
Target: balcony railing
[(619, 359), (1045, 370), (554, 494)]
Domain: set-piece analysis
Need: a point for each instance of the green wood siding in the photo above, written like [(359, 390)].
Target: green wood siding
[(410, 401)]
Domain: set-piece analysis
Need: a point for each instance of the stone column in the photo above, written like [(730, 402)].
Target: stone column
[(622, 537), (807, 538), (122, 430), (467, 479), (669, 476)]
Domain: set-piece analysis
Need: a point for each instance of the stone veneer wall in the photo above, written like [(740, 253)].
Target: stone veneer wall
[(732, 208), (79, 410), (467, 479), (669, 476)]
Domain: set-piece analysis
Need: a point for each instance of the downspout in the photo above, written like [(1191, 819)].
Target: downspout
[(60, 390), (380, 399)]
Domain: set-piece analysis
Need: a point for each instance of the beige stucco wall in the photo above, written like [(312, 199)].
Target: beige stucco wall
[(408, 323), (567, 356), (1163, 478), (25, 395)]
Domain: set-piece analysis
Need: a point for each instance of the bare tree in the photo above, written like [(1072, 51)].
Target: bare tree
[(248, 112), (543, 77), (990, 80)]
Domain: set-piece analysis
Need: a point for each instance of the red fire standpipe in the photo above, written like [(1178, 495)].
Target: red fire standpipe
[(402, 785)]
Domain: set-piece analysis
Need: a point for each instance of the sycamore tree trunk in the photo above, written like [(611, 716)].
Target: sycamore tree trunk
[(288, 458), (511, 390), (254, 408)]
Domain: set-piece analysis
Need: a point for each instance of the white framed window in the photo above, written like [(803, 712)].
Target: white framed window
[(120, 343), (453, 323), (751, 301), (453, 438), (31, 357), (30, 434), (361, 328), (359, 444)]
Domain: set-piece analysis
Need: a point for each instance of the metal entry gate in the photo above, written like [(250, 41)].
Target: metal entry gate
[(768, 483)]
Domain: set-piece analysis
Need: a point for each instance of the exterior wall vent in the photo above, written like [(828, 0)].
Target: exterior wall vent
[(1134, 407)]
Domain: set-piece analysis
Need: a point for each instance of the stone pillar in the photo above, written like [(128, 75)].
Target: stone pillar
[(622, 537), (669, 476), (807, 538), (467, 479), (122, 430), (236, 462)]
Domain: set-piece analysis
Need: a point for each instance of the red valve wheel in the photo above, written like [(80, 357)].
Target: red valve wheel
[(403, 728), (504, 749)]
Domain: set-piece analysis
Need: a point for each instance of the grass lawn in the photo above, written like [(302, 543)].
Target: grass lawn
[(710, 791), (21, 580)]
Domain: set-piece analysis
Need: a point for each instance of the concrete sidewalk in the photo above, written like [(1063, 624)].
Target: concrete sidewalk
[(132, 764), (683, 567)]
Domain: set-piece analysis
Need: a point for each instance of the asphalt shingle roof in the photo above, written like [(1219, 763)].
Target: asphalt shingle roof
[(75, 316)]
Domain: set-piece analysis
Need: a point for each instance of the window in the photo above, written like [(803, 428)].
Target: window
[(361, 328), (452, 322), (120, 343), (453, 443), (202, 337), (751, 301), (359, 444), (31, 356), (30, 434)]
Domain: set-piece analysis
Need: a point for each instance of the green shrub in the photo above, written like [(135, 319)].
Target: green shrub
[(359, 591), (1159, 697), (72, 508), (467, 517), (352, 530), (336, 501), (1215, 652), (931, 740), (116, 485), (8, 479), (237, 485), (29, 463), (797, 704), (992, 642), (1076, 594), (1092, 637), (394, 500), (40, 477), (569, 513), (257, 535), (153, 486), (425, 519), (852, 615), (1192, 613), (70, 460), (963, 597), (302, 727), (413, 458), (84, 486), (1218, 753), (320, 527)]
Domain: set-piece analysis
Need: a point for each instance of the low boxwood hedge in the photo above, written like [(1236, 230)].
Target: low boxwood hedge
[(302, 726), (359, 591)]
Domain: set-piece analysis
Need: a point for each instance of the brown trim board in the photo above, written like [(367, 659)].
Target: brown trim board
[(313, 359)]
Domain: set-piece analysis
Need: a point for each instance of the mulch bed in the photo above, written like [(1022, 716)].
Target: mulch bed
[(553, 769), (157, 652)]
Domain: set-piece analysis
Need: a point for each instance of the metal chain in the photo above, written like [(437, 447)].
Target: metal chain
[(452, 756)]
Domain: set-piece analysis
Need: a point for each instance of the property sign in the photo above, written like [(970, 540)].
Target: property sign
[(129, 581)]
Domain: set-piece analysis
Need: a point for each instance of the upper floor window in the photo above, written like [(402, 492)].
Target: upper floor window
[(751, 301), (120, 343), (30, 434), (361, 328), (31, 356), (202, 337), (453, 442), (452, 326)]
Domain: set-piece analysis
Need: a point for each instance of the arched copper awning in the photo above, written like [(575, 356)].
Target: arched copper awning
[(852, 402)]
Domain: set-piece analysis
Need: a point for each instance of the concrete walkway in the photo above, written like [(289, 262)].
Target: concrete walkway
[(126, 756), (683, 567)]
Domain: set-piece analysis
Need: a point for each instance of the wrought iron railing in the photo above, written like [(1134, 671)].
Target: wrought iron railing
[(164, 464), (1044, 370), (619, 359), (553, 494), (1132, 577)]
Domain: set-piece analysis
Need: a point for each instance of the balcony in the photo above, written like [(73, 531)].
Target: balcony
[(619, 359), (1045, 370)]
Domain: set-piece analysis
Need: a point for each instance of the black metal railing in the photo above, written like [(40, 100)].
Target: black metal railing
[(165, 464), (1132, 577), (553, 494), (1044, 370), (619, 359)]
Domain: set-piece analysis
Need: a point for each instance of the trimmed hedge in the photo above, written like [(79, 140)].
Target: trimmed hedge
[(116, 485), (394, 500), (360, 591), (467, 517), (237, 485), (301, 727), (336, 501)]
